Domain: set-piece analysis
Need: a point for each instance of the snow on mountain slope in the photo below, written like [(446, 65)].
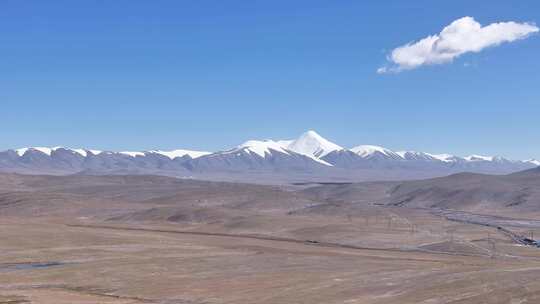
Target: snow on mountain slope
[(414, 155), (265, 147), (279, 155), (370, 151), (81, 152), (180, 153), (84, 152), (533, 161), (262, 147), (312, 144), (48, 151), (447, 158), (132, 154), (479, 158), (43, 150)]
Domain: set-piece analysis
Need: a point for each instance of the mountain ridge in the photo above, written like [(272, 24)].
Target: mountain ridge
[(310, 155)]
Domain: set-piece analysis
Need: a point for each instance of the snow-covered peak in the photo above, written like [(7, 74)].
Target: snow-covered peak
[(48, 151), (309, 144), (312, 144), (368, 151), (475, 157), (533, 161), (132, 154), (180, 153), (262, 147), (84, 152), (414, 155), (43, 150), (447, 158)]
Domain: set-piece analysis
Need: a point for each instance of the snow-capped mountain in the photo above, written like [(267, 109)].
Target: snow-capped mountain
[(479, 158), (174, 153), (419, 156), (375, 153), (310, 156), (262, 148), (312, 144), (447, 158), (533, 162), (258, 155)]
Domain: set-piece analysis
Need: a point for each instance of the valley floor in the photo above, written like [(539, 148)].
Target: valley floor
[(412, 257), (147, 239)]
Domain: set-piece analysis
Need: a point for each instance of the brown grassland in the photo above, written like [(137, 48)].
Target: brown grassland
[(129, 239)]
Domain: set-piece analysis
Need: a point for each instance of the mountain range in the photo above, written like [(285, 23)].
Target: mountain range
[(310, 157)]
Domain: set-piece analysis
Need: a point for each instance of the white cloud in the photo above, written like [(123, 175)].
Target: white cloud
[(462, 36)]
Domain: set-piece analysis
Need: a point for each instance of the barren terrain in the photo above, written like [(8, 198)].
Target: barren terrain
[(147, 239)]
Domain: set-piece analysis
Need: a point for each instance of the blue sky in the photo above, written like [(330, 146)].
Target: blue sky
[(136, 75)]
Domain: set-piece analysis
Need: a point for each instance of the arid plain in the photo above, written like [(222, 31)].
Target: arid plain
[(148, 239)]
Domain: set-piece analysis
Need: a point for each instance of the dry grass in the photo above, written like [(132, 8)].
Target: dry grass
[(248, 248)]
